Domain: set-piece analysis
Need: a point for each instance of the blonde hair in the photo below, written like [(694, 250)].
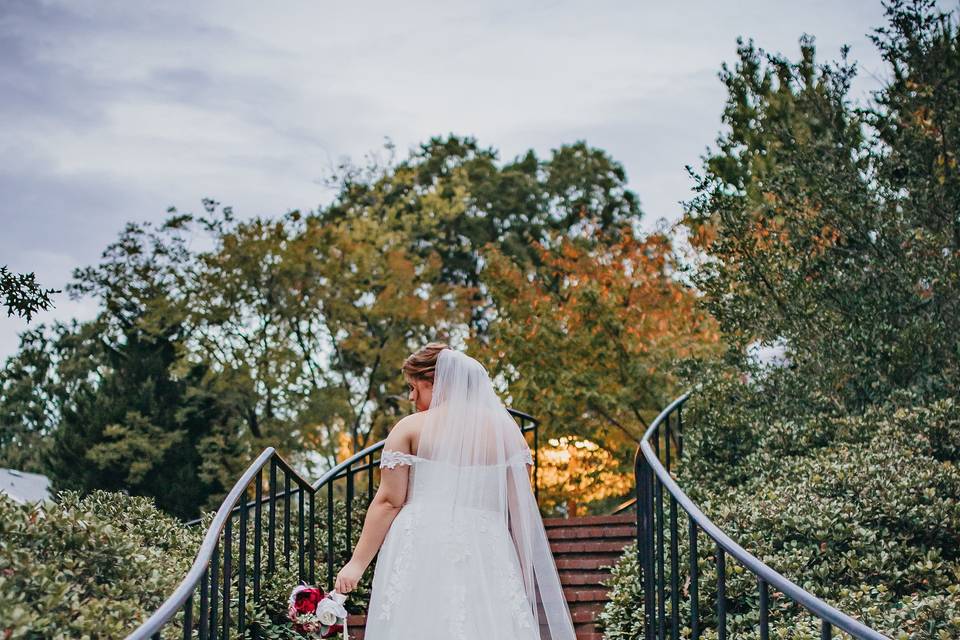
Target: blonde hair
[(422, 364)]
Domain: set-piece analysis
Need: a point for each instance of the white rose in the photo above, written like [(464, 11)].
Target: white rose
[(327, 617)]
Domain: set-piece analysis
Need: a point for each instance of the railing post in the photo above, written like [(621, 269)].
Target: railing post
[(536, 462), (644, 478), (272, 519), (694, 583), (330, 534), (257, 534)]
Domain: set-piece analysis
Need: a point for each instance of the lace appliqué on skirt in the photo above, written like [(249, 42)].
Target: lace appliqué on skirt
[(453, 538), (515, 592), (401, 565)]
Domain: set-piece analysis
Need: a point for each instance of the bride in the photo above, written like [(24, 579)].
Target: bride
[(461, 549)]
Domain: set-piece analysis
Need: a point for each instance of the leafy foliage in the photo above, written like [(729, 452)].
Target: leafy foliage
[(813, 231), (868, 523), (93, 566), (285, 331), (146, 428), (830, 228), (22, 294), (588, 338)]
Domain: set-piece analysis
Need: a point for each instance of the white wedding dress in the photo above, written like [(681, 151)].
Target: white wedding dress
[(447, 574), (467, 557)]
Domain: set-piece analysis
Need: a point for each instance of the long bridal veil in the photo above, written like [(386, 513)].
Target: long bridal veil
[(483, 457)]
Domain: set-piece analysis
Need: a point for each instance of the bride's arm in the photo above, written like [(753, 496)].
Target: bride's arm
[(386, 504)]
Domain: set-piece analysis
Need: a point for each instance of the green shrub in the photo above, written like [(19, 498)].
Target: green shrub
[(869, 523), (97, 566), (87, 567)]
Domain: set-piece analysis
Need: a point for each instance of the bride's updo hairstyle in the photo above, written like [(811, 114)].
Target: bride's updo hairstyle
[(422, 364)]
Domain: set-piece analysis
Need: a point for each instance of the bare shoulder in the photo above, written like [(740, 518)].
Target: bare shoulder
[(401, 435)]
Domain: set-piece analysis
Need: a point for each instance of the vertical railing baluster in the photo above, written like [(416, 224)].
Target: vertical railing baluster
[(679, 431), (536, 462), (350, 474), (721, 594), (313, 540), (301, 537), (694, 582), (330, 534), (257, 535), (214, 589), (227, 574), (666, 443), (764, 609), (272, 519), (242, 574), (645, 525), (825, 630), (661, 562), (188, 618), (286, 518), (204, 611), (656, 443), (674, 572)]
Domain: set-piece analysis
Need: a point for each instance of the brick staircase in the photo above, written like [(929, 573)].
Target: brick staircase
[(581, 547)]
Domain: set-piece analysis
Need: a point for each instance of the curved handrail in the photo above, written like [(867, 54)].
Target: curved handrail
[(807, 600), (185, 590)]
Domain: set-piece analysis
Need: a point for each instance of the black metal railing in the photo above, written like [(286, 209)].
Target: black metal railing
[(204, 602), (211, 600), (658, 535)]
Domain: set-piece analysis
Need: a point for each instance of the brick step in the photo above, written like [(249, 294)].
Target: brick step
[(355, 623), (585, 611), (583, 629), (588, 562), (612, 547), (589, 521), (617, 532), (583, 579), (585, 595)]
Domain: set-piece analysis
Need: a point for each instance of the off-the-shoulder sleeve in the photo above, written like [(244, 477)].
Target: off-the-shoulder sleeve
[(522, 457), (390, 458)]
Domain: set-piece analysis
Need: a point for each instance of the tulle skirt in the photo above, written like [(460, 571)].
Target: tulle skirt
[(438, 578)]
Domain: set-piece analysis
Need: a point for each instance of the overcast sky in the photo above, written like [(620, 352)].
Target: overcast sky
[(113, 111)]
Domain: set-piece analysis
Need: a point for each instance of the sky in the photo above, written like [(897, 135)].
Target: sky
[(112, 112)]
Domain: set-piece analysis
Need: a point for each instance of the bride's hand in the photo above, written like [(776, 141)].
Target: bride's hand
[(348, 577)]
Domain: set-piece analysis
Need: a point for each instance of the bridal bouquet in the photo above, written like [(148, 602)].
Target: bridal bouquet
[(315, 614)]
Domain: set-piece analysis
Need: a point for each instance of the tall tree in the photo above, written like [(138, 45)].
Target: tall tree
[(454, 197), (587, 340), (807, 235), (152, 426)]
